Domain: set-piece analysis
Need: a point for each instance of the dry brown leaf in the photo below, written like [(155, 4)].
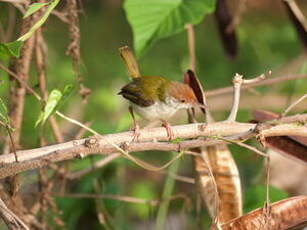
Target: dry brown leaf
[(290, 213), (227, 180), (294, 147), (298, 20), (224, 20), (224, 169)]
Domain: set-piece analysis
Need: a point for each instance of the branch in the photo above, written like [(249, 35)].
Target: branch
[(271, 81), (36, 158), (11, 219)]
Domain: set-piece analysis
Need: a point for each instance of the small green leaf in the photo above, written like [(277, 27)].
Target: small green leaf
[(52, 103), (40, 22), (14, 47), (4, 112), (66, 93), (155, 19), (10, 49), (40, 119), (34, 7), (55, 100)]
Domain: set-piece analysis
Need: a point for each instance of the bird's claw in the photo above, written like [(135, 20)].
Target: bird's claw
[(170, 133), (136, 133)]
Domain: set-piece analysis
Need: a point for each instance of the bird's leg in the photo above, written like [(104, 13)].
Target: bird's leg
[(136, 126), (169, 130)]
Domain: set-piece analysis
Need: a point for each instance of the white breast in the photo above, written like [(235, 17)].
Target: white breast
[(160, 110)]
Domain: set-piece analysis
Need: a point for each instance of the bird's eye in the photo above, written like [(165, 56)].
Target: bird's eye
[(182, 101)]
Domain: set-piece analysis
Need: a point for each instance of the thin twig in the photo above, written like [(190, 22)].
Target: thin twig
[(11, 219), (12, 142), (74, 47), (97, 164), (267, 208), (243, 145), (60, 15), (82, 131), (128, 199), (237, 83), (271, 81), (290, 107), (15, 1), (22, 82), (137, 161)]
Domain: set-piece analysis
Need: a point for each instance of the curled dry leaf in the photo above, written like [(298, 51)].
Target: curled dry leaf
[(298, 20), (224, 20), (226, 179), (290, 213), (294, 147)]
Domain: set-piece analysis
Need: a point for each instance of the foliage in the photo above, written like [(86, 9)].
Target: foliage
[(10, 49), (104, 29), (155, 19), (41, 21), (34, 7), (13, 48), (55, 100)]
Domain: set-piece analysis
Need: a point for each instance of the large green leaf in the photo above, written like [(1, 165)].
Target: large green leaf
[(155, 19)]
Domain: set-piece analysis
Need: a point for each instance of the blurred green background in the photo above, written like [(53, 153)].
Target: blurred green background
[(267, 41)]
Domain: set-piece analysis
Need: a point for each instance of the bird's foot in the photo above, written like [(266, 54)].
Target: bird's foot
[(136, 132), (168, 127)]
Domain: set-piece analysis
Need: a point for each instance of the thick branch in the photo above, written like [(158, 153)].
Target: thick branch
[(35, 158)]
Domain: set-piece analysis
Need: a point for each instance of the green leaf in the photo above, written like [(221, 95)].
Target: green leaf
[(52, 103), (154, 19), (10, 49), (4, 112), (66, 93), (55, 100), (34, 7), (40, 22)]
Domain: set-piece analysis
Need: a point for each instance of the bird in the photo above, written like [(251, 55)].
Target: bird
[(157, 98)]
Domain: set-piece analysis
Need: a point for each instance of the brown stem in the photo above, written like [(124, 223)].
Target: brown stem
[(74, 46), (41, 70), (35, 158), (12, 221)]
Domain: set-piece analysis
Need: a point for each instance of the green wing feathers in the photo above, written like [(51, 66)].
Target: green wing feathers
[(144, 91)]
